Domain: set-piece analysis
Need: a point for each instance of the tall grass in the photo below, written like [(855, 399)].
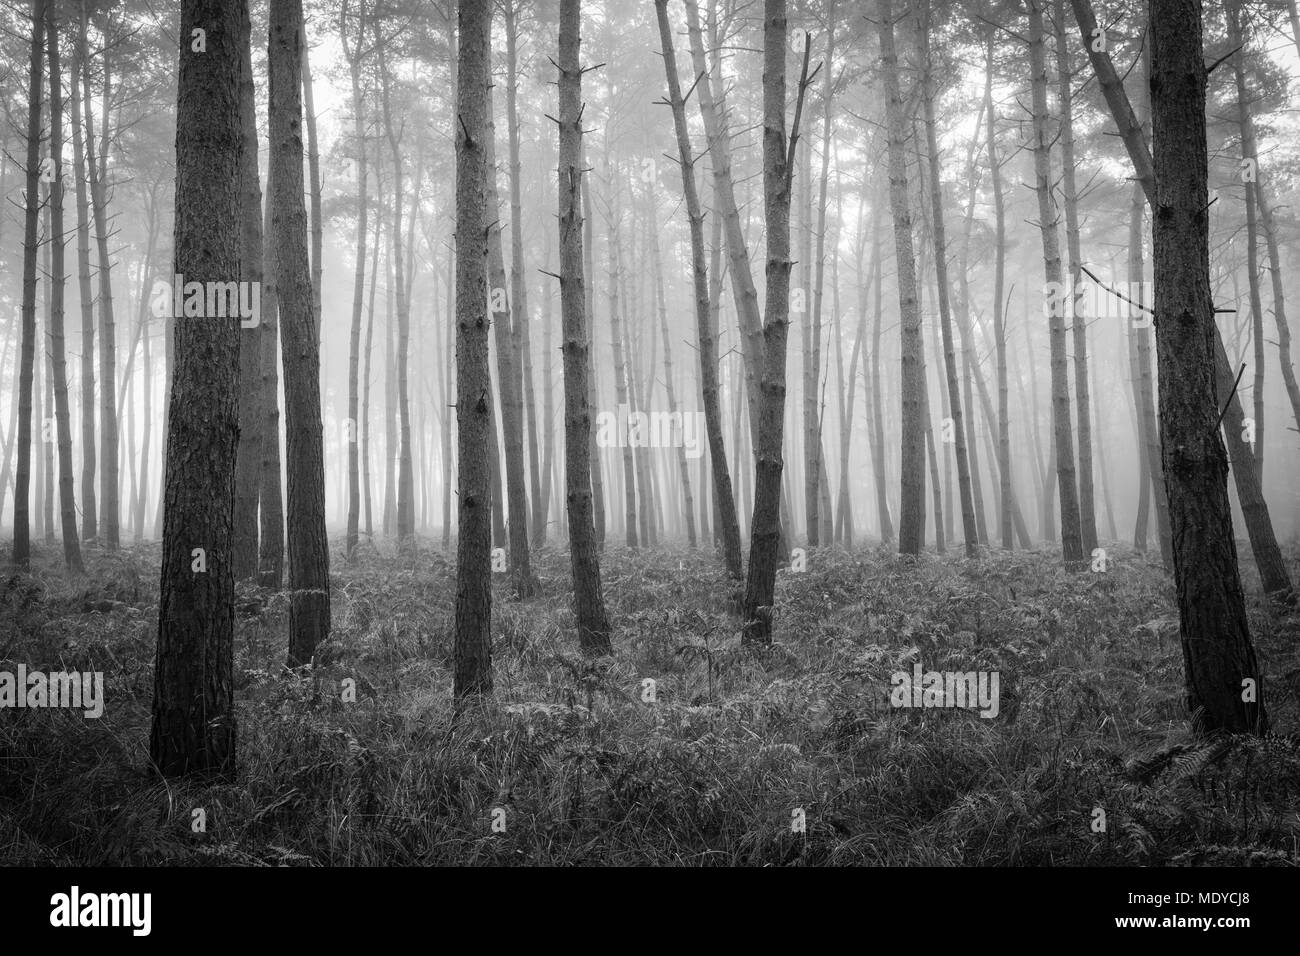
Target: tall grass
[(572, 764)]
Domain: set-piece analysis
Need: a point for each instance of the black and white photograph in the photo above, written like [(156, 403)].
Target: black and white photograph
[(641, 434)]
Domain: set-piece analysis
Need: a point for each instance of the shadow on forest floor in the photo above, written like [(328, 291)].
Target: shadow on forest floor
[(1091, 717)]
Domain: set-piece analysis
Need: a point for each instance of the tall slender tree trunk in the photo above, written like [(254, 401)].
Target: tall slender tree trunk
[(814, 452), (708, 368), (521, 334), (270, 552), (1057, 301), (718, 135), (912, 465), (89, 509), (473, 640), (1004, 419), (778, 174), (146, 418), (612, 217), (405, 515), (308, 547), (548, 398), (509, 381), (594, 457), (969, 531), (354, 56), (875, 394), (1258, 190), (1250, 183), (589, 602), (1078, 321), (108, 484), (313, 181), (31, 226), (58, 350), (249, 460)]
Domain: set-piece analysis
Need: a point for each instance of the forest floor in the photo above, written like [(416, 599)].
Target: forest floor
[(713, 771)]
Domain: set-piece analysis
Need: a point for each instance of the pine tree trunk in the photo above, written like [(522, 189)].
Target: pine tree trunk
[(473, 640), (146, 386), (548, 401), (875, 393), (509, 381), (1218, 656), (248, 464), (89, 509), (58, 350), (912, 464), (308, 547), (1078, 322), (1273, 575), (594, 457), (959, 433), (27, 360), (765, 529), (1058, 305), (521, 333), (405, 478), (813, 452), (612, 215), (314, 181), (589, 602), (109, 516), (1250, 154), (193, 728), (718, 136), (1259, 191), (354, 58), (270, 553), (708, 367)]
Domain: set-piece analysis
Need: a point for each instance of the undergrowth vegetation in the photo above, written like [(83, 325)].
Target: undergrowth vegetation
[(588, 771)]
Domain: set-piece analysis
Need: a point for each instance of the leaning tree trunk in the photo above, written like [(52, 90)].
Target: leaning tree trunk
[(1273, 574), (1262, 539), (308, 546), (700, 283), (718, 136), (1250, 154), (1257, 189), (1223, 679), (193, 708)]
